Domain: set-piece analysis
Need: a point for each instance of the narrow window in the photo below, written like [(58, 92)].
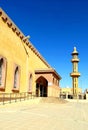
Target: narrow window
[(16, 79), (1, 69), (30, 83), (2, 73), (53, 80)]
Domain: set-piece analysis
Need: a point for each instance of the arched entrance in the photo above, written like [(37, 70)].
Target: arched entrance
[(41, 87)]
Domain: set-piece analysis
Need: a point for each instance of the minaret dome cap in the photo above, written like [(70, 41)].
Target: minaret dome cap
[(75, 51)]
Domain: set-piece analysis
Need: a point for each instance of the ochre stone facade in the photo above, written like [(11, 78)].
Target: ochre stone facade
[(21, 65), (68, 93)]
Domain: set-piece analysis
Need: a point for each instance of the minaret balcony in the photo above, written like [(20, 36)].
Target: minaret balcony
[(75, 74), (75, 60)]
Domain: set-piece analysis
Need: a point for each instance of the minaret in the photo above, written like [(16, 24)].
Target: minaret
[(75, 74)]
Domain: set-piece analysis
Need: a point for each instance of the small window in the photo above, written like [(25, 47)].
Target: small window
[(53, 80), (30, 83), (1, 69), (16, 78), (2, 73)]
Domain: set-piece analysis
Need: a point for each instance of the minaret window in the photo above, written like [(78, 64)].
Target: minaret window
[(74, 67), (53, 80), (75, 57)]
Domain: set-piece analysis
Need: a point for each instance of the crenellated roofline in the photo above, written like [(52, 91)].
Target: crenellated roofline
[(18, 32)]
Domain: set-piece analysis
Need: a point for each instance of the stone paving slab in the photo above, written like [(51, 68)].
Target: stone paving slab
[(28, 115)]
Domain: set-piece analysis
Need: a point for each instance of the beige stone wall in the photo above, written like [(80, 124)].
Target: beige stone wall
[(53, 91), (70, 90), (22, 54), (66, 90), (11, 47)]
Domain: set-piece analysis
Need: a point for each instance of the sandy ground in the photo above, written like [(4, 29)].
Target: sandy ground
[(32, 115)]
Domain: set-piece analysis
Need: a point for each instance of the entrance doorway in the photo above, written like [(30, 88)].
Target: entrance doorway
[(41, 87)]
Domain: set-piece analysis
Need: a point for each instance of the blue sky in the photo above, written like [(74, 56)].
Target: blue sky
[(55, 27)]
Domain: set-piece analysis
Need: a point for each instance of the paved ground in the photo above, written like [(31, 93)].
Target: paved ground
[(44, 116)]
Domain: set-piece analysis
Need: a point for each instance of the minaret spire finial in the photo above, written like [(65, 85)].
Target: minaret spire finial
[(74, 51), (74, 48)]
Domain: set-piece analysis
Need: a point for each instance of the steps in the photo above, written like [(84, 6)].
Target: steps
[(52, 100)]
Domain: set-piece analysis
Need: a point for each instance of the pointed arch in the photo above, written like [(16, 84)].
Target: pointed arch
[(1, 70), (41, 87), (16, 77), (16, 83), (2, 73), (30, 83)]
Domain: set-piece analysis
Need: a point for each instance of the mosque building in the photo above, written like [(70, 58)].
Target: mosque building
[(22, 67)]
